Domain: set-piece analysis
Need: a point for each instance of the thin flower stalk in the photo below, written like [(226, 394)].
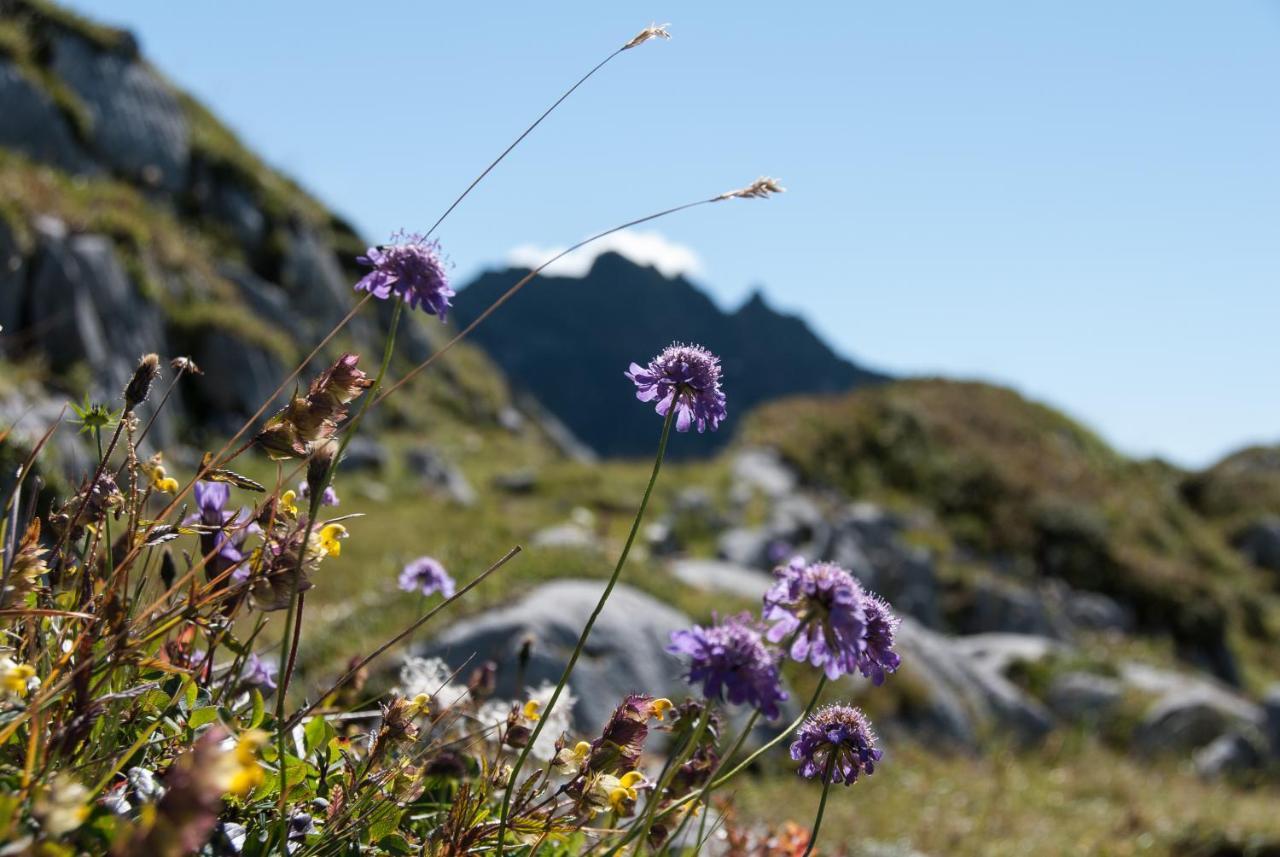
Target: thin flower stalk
[(586, 632), (822, 807)]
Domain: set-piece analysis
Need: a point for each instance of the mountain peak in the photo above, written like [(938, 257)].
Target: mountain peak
[(567, 341)]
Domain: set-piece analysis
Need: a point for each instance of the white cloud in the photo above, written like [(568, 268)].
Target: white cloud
[(643, 248)]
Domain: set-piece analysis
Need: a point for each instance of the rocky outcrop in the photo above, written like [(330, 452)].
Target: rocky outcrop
[(531, 640)]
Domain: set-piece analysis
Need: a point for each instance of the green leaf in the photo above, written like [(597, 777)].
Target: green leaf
[(203, 716), (317, 734), (395, 844), (259, 709)]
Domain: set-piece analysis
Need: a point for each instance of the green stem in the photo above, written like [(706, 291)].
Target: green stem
[(778, 739), (106, 519), (822, 805), (672, 769), (586, 631), (289, 641)]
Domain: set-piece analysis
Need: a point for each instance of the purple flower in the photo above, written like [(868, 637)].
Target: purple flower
[(258, 673), (823, 607), (836, 738), (228, 540), (878, 658), (328, 498), (409, 267), (731, 662), (426, 575), (688, 377)]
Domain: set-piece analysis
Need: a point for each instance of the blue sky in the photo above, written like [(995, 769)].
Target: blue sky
[(1078, 199)]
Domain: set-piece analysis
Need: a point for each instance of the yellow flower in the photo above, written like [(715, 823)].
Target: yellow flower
[(420, 704), (289, 502), (530, 710), (624, 790), (660, 706), (243, 773), (329, 536), (160, 481), (573, 759), (16, 679)]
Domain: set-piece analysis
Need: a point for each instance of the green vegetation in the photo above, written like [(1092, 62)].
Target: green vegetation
[(1014, 479)]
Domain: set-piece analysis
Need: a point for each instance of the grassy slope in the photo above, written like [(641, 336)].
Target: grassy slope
[(1020, 482)]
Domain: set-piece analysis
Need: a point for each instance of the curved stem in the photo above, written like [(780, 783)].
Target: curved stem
[(518, 140), (778, 739), (822, 805), (586, 631)]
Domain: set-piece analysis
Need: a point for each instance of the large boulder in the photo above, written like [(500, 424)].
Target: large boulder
[(961, 694), (440, 475), (626, 652), (1230, 755), (138, 128), (714, 575), (993, 604), (1189, 711)]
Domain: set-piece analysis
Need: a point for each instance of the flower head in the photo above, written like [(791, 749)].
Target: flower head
[(835, 743), (686, 377), (409, 267), (428, 576), (878, 658), (653, 31), (258, 672), (328, 498), (226, 543), (761, 188), (16, 679), (824, 608), (731, 662)]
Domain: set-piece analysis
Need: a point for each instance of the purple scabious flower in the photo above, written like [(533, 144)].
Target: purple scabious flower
[(878, 658), (836, 744), (426, 575), (824, 608), (328, 498), (731, 662), (410, 267), (686, 377)]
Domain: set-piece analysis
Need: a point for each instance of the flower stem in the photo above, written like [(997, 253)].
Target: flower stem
[(293, 632), (665, 780), (586, 631), (822, 805)]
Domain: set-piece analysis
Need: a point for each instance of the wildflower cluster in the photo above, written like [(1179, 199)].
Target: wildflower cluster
[(151, 625)]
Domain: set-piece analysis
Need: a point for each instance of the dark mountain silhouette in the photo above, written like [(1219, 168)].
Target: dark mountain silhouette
[(568, 340)]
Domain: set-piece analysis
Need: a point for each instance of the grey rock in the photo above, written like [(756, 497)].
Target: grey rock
[(364, 454), (1189, 713), (568, 535), (314, 281), (716, 576), (440, 475), (1271, 718), (867, 540), (1230, 755), (139, 127), (227, 201), (1259, 542), (266, 300), (762, 469), (994, 604), (1092, 611), (626, 652), (660, 537), (88, 311), (511, 419), (965, 692), (524, 481), (1083, 696), (744, 546), (34, 126), (13, 277), (238, 377)]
